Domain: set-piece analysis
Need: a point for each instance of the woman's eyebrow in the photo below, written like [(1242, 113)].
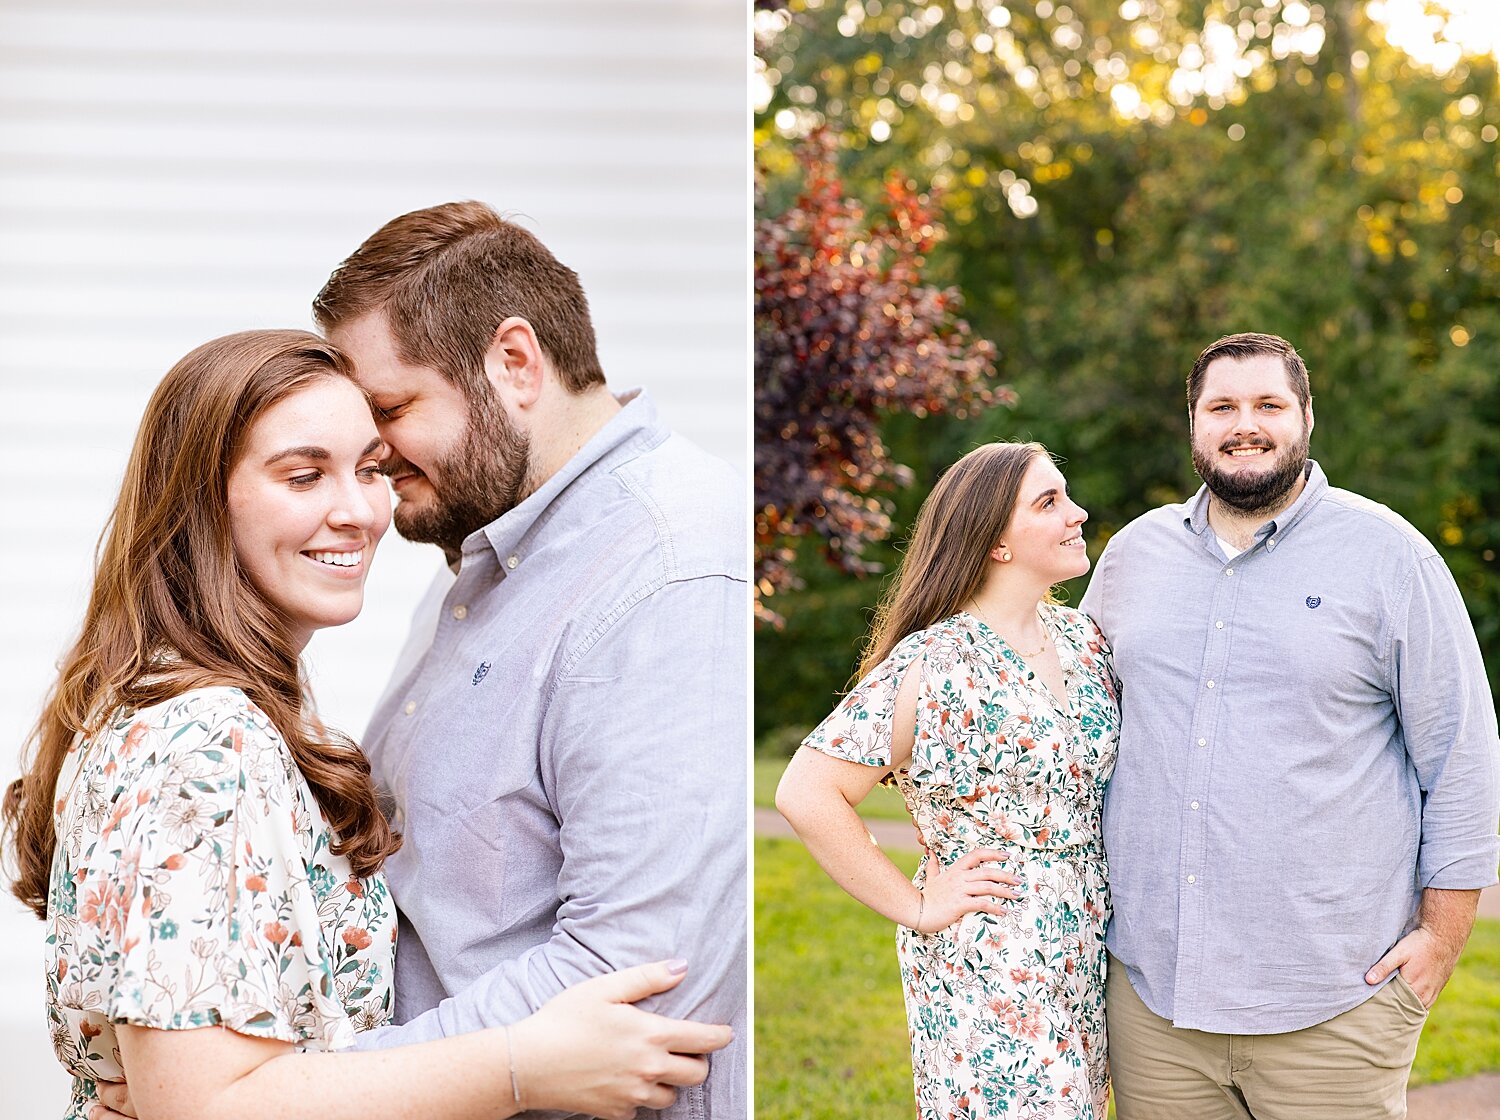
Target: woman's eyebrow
[(318, 453)]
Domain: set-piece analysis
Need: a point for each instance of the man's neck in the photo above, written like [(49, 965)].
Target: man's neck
[(575, 419), (1238, 527)]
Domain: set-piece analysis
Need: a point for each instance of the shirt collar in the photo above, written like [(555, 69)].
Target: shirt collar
[(634, 426), (1195, 517)]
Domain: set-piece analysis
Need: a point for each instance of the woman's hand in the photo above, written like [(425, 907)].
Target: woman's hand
[(975, 883), (587, 1050)]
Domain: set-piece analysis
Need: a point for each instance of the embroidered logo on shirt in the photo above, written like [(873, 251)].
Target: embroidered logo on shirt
[(1313, 601), (481, 672)]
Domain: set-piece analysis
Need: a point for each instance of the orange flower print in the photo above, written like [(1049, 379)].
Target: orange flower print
[(296, 937), (89, 1030), (357, 938), (62, 969), (175, 862), (355, 887), (255, 883), (275, 932), (133, 739), (95, 903)]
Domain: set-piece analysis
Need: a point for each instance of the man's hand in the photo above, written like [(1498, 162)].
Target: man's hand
[(1428, 954), (116, 1106)]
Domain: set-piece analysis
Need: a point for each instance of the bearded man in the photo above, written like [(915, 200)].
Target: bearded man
[(563, 743), (1303, 813)]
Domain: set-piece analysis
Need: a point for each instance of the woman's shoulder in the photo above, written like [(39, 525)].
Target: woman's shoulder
[(955, 632), (217, 721), (947, 643), (1074, 622), (209, 708)]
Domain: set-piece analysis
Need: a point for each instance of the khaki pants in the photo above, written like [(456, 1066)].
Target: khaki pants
[(1353, 1067)]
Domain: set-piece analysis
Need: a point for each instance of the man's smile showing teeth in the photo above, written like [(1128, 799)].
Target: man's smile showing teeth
[(1241, 452), (338, 559)]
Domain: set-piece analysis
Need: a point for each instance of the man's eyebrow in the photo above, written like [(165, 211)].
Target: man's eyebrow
[(1230, 398), (371, 446)]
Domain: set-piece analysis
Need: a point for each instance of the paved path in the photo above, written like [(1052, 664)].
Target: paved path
[(1470, 1098)]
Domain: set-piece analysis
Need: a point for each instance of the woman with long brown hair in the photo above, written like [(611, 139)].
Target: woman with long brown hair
[(994, 710), (205, 852)]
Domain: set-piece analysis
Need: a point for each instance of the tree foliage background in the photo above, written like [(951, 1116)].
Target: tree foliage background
[(1120, 184)]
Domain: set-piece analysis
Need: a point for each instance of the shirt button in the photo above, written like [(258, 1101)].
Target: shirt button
[(460, 612), (1194, 804), (411, 706), (1192, 878), (1271, 541), (512, 561), (1218, 626), (1203, 742), (1210, 684), (1229, 571)]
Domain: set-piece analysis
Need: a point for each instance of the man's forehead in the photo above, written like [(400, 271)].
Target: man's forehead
[(370, 346), (1256, 375), (367, 335)]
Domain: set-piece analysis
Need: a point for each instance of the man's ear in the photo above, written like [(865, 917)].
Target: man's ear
[(514, 364), (1308, 413)]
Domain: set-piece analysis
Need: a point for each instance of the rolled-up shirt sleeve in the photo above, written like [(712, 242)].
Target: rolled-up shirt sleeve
[(1448, 722)]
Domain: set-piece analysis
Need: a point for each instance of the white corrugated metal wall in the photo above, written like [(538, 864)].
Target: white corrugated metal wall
[(171, 171)]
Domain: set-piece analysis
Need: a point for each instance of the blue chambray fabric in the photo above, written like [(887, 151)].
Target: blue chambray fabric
[(565, 744), (1309, 740)]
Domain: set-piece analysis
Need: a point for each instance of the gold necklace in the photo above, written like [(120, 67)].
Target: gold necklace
[(984, 618)]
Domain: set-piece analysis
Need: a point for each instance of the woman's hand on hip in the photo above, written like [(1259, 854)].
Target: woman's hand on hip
[(975, 883)]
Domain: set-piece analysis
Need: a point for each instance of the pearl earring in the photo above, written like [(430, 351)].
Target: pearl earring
[(1005, 557)]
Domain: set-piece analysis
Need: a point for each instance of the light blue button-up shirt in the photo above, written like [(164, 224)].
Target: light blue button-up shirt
[(565, 746), (1308, 742)]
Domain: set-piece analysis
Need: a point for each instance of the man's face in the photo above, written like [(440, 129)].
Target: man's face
[(456, 462), (1250, 434)]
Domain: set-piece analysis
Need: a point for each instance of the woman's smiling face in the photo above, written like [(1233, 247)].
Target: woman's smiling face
[(307, 504), (1045, 534)]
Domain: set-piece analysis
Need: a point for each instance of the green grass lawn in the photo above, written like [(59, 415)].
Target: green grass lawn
[(830, 1029), (884, 803)]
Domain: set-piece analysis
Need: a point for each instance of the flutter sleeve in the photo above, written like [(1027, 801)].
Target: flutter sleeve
[(209, 913), (860, 728)]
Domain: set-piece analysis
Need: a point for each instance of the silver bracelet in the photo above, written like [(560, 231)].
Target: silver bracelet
[(510, 1056), (921, 903)]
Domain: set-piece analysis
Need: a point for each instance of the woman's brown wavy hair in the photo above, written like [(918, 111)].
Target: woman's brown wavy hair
[(172, 609), (945, 563)]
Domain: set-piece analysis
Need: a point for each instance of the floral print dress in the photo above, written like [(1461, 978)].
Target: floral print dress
[(1006, 1012), (193, 886)]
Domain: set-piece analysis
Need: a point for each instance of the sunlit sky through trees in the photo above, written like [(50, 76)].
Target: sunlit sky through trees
[(1208, 68)]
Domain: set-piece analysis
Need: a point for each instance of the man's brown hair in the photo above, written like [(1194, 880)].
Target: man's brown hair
[(1249, 345), (447, 277)]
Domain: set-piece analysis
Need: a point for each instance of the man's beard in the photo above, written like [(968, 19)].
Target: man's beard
[(480, 479), (1255, 491)]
